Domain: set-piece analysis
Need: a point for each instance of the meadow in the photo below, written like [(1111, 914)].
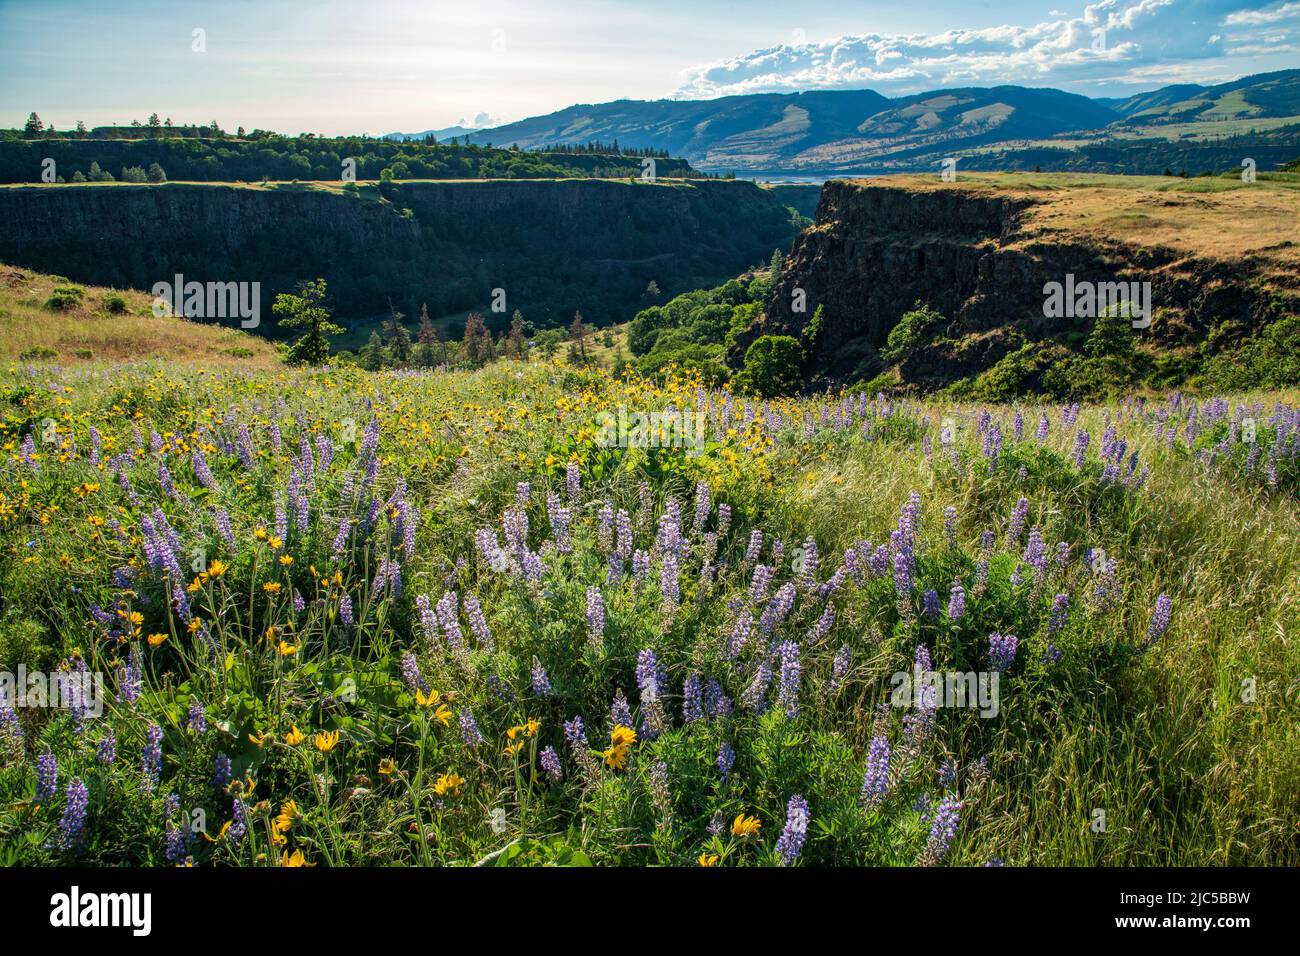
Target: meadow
[(446, 617)]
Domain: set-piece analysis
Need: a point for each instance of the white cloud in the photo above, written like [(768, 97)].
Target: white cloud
[(1110, 42)]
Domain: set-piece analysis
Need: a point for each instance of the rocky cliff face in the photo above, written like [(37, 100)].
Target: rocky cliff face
[(555, 247), (876, 249)]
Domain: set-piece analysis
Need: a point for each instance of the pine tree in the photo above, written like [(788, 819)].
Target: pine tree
[(516, 345), (307, 310), (476, 345), (578, 336), (156, 173), (777, 263), (397, 336), (372, 356), (33, 128)]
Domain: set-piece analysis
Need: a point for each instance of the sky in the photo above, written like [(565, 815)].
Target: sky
[(378, 66)]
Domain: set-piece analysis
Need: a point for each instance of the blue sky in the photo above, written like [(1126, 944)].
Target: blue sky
[(340, 66)]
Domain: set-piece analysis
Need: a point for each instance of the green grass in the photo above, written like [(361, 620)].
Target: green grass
[(1159, 737)]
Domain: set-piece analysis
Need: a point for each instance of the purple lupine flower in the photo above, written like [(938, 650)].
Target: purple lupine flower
[(839, 668), (948, 772), (196, 721), (411, 674), (345, 610), (541, 682), (903, 566), (1060, 613), (796, 830), (668, 582), (930, 603), (623, 542), (822, 628), (478, 623), (106, 749), (942, 830), (875, 782), (74, 815), (128, 683), (777, 608), (1044, 426), (726, 759), (754, 547), (755, 695), (620, 714), (238, 822), (595, 618), (572, 482), (788, 695), (648, 674), (605, 528), (692, 698), (738, 635), (950, 526), (1017, 523), (575, 734), (1082, 438), (1160, 618), (469, 731), (47, 777), (703, 505), (640, 569), (758, 585), (151, 764), (447, 616), (222, 519), (956, 602), (222, 772), (724, 519), (1002, 650), (550, 762)]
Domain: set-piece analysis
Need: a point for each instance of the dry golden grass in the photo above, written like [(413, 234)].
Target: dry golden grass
[(1218, 218), (91, 332)]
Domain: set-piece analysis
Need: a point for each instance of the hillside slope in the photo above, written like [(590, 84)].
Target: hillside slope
[(109, 325), (1220, 256)]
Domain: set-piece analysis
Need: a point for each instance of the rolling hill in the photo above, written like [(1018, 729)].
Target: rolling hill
[(857, 131)]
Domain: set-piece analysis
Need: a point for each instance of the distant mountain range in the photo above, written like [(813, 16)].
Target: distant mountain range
[(843, 131)]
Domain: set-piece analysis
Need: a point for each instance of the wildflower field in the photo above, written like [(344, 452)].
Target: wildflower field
[(423, 618)]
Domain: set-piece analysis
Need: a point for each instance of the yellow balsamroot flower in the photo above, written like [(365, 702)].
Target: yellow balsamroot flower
[(744, 826), (388, 766), (136, 617), (271, 587), (327, 741), (295, 859), (284, 821), (427, 700), (616, 757), (512, 749), (286, 559), (708, 859), (287, 649), (532, 727), (443, 713), (448, 783), (156, 639), (216, 569), (257, 739), (221, 834), (294, 737), (622, 736)]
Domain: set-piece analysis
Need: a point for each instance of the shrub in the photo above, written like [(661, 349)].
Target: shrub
[(914, 328), (65, 298), (115, 303), (773, 365)]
